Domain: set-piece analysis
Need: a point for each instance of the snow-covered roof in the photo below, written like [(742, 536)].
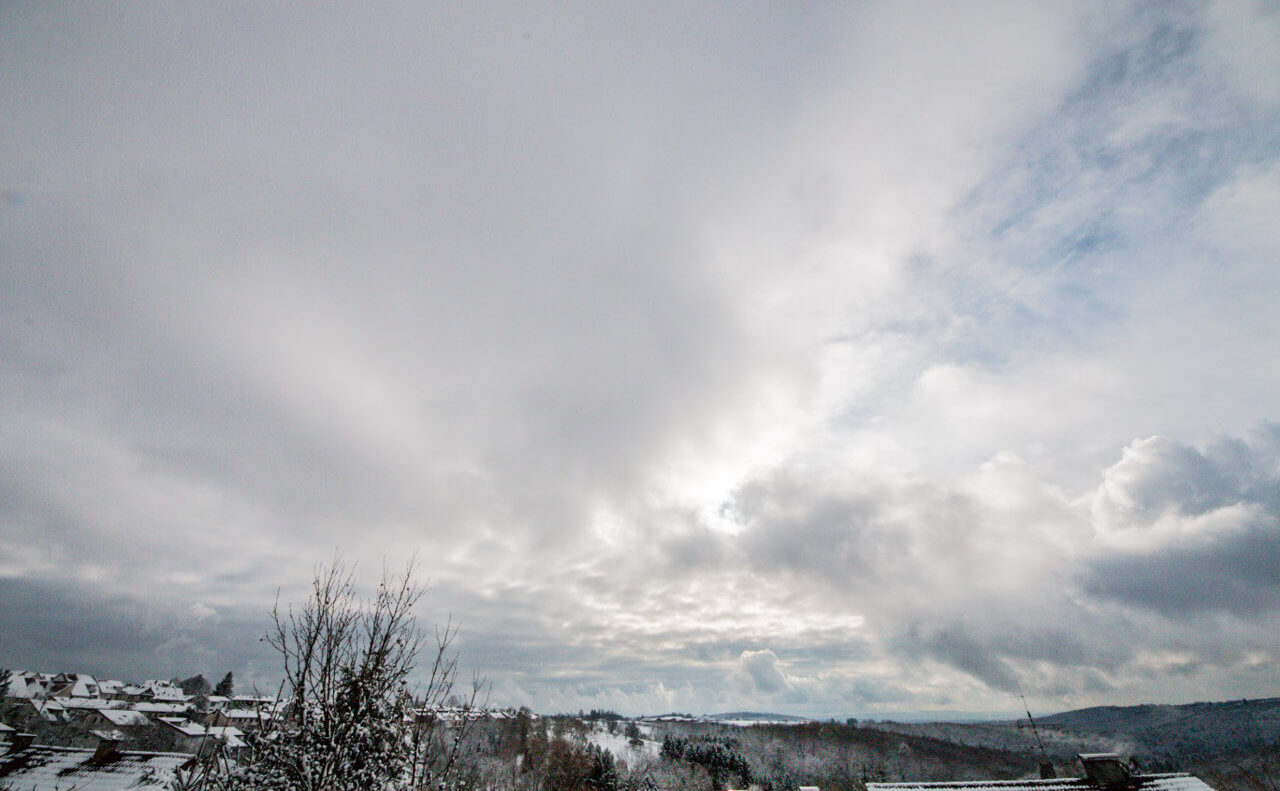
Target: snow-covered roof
[(48, 709), (41, 767), (84, 704), (185, 727), (149, 707), (244, 714), (76, 685), (229, 735), (125, 719), (170, 694)]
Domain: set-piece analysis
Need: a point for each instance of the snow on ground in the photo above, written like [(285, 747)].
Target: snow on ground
[(620, 745)]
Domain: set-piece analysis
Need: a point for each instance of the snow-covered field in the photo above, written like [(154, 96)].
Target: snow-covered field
[(620, 745)]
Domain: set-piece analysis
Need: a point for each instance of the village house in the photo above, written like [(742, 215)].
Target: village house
[(189, 737)]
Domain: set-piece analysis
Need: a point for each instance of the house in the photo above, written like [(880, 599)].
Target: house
[(244, 719), (111, 689), (212, 702), (188, 736), (1103, 772), (26, 766)]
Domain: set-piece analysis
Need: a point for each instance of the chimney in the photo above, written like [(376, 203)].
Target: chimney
[(105, 753), (20, 742), (1105, 770)]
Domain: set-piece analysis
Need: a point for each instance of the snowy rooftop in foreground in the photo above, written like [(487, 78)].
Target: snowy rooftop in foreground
[(41, 766), (1176, 781)]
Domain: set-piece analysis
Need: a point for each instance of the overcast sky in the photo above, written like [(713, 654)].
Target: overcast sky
[(849, 358)]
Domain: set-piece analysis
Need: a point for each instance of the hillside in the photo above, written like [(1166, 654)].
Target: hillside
[(1183, 733), (843, 756)]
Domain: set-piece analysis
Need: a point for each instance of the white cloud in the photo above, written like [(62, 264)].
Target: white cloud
[(761, 672)]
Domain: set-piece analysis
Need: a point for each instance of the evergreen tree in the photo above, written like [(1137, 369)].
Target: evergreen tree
[(226, 687)]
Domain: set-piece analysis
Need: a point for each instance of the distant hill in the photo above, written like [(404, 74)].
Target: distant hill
[(1191, 736), (1189, 731), (754, 716)]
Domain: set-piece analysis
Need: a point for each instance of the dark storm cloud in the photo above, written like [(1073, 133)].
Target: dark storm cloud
[(58, 624)]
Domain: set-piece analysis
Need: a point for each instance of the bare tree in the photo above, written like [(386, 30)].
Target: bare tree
[(440, 730), (351, 720)]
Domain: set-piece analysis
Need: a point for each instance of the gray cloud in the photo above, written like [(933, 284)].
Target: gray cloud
[(955, 648), (1229, 573), (1197, 532)]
